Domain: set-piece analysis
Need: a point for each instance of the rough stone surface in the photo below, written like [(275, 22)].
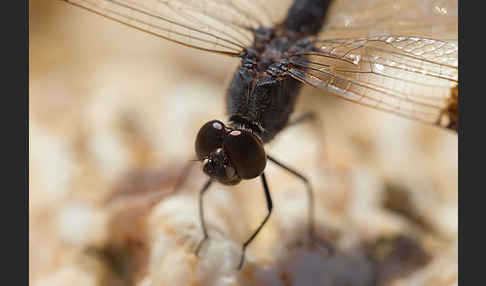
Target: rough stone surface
[(113, 116)]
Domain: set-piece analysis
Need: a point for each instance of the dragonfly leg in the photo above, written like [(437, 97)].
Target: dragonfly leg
[(310, 207), (269, 208), (201, 215)]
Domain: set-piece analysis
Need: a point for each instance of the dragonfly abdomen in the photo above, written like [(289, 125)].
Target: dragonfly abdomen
[(306, 17)]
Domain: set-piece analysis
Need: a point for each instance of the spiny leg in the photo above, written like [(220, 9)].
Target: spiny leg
[(310, 201), (201, 215), (308, 116), (310, 193), (269, 207)]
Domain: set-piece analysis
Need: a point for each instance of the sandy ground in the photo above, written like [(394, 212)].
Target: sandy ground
[(113, 117)]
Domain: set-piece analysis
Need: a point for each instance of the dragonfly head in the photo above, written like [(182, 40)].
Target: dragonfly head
[(229, 155)]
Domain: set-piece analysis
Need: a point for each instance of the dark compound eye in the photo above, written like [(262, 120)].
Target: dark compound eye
[(209, 138), (246, 153)]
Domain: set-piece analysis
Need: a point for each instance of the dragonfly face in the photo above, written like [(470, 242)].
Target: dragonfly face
[(228, 154)]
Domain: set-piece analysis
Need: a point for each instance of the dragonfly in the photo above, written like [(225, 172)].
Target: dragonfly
[(397, 56)]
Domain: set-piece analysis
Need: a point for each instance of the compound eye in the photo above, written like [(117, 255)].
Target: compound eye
[(209, 138), (230, 171), (246, 153)]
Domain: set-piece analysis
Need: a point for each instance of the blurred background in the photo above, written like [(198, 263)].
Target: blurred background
[(113, 117)]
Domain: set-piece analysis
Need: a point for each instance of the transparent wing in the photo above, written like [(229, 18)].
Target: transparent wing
[(435, 19), (356, 57), (409, 76), (220, 26)]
